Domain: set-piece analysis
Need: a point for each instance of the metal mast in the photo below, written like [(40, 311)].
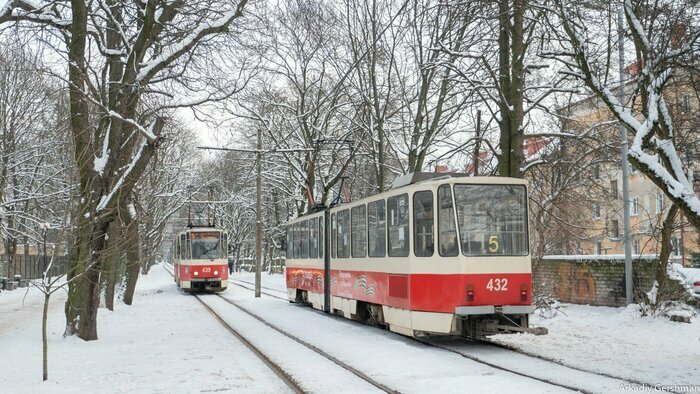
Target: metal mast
[(625, 165)]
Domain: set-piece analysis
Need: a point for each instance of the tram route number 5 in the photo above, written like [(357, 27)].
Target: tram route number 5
[(493, 244), (498, 284)]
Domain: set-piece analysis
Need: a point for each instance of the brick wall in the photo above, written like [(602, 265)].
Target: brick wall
[(597, 280)]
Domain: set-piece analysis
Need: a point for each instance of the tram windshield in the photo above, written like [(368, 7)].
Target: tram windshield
[(492, 219), (206, 245)]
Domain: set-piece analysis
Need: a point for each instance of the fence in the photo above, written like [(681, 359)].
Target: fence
[(31, 266)]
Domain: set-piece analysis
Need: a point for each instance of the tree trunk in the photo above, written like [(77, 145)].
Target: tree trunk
[(666, 249), (111, 263), (133, 261), (44, 340), (511, 56)]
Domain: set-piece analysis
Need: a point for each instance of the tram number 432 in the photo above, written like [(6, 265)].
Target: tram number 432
[(498, 284)]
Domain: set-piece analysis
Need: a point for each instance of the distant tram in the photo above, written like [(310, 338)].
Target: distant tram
[(440, 256), (200, 260)]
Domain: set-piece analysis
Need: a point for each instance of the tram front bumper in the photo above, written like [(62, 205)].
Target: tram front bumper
[(491, 310)]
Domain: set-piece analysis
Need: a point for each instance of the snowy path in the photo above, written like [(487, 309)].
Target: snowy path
[(165, 343)]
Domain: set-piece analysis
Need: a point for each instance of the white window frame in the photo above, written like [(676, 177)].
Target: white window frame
[(634, 206), (659, 202), (598, 247), (596, 211), (637, 247)]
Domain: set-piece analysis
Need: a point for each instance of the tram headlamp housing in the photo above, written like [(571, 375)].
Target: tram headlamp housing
[(196, 273), (216, 273)]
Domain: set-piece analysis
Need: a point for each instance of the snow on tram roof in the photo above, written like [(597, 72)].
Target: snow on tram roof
[(425, 177)]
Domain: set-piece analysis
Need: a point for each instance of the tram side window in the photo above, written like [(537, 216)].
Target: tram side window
[(334, 233), (313, 238), (304, 239), (423, 223), (321, 237), (290, 243), (224, 245), (359, 231), (344, 234), (376, 223), (447, 230), (297, 241), (397, 215), (183, 245)]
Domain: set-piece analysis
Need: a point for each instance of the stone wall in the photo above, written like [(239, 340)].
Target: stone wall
[(594, 280)]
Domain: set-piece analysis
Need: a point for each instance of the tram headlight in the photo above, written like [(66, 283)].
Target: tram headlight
[(196, 273), (216, 273)]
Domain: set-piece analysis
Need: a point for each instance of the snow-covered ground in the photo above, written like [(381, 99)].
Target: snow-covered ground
[(166, 342), (618, 342)]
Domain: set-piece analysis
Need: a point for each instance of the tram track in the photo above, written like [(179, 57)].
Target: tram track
[(315, 349), (275, 367), (243, 284), (469, 346), (465, 348), (471, 349), (566, 365)]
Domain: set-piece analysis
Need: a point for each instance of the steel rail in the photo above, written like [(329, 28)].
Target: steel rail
[(276, 369), (322, 353)]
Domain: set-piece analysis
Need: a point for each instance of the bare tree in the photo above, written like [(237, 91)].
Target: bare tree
[(117, 53)]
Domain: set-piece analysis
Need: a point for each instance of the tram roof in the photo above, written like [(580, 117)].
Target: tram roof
[(425, 177)]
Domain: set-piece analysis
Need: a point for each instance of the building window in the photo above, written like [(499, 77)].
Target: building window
[(614, 229), (685, 103), (596, 211), (634, 206), (598, 247), (613, 188), (676, 245), (596, 171), (659, 203), (637, 247)]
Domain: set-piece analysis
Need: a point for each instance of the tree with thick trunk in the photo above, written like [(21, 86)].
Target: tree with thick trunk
[(118, 53)]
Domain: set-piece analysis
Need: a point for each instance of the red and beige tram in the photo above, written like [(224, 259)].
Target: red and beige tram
[(447, 256), (200, 260)]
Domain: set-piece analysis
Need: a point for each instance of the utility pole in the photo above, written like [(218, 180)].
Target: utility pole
[(258, 197), (625, 165)]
